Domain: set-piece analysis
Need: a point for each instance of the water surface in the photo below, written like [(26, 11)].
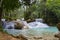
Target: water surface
[(33, 31)]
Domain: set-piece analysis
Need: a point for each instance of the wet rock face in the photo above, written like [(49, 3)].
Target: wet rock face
[(58, 26)]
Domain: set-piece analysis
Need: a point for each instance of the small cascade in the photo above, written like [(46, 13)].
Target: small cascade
[(39, 20), (7, 25), (36, 28), (37, 24)]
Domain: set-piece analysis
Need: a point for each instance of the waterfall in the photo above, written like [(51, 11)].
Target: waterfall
[(7, 25), (39, 20), (37, 24), (36, 28)]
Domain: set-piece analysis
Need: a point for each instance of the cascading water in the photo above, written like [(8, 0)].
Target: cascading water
[(39, 20), (7, 24), (37, 24), (35, 29)]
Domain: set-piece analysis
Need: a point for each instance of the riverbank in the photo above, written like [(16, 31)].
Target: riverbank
[(30, 34), (4, 36)]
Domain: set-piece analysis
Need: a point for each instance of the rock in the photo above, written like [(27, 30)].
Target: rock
[(58, 26), (25, 27), (57, 35), (21, 37), (30, 20), (19, 25), (38, 38)]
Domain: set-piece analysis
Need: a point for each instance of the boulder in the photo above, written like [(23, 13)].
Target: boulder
[(58, 35), (19, 25), (21, 37), (58, 26), (30, 20)]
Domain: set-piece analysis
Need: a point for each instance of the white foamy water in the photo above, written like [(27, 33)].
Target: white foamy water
[(37, 25)]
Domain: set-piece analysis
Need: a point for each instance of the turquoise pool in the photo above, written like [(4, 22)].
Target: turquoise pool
[(33, 31)]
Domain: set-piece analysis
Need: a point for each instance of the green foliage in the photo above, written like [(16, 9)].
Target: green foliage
[(41, 9), (51, 14), (11, 4), (54, 5), (32, 8), (27, 14), (26, 2), (1, 29), (49, 10)]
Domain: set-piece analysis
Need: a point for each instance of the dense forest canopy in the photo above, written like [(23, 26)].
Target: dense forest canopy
[(49, 10), (8, 5)]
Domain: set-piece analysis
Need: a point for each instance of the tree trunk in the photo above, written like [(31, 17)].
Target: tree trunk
[(0, 19), (1, 13), (1, 9)]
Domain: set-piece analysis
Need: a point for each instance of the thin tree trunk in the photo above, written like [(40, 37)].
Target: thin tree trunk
[(1, 9), (1, 13)]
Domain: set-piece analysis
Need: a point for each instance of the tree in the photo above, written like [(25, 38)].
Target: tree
[(53, 8), (8, 5), (28, 4), (1, 9)]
